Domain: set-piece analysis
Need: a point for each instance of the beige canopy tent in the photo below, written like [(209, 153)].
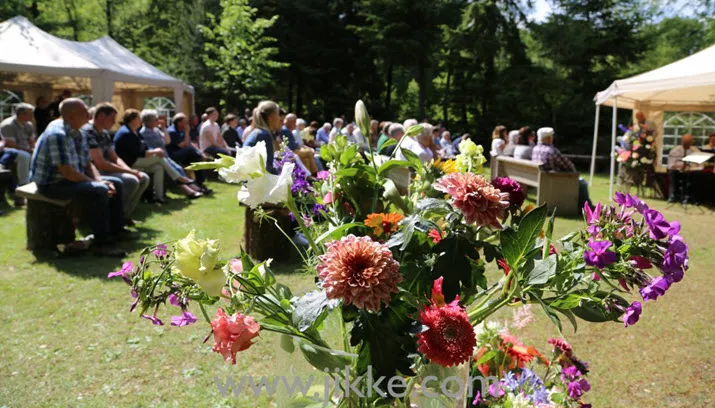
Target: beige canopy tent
[(685, 85), (39, 64)]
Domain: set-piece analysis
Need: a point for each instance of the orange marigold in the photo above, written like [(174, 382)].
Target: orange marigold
[(383, 224)]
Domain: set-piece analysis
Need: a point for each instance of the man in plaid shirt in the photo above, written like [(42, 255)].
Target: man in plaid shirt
[(550, 159), (62, 169)]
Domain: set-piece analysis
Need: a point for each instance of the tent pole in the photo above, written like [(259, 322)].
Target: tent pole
[(613, 148), (595, 143)]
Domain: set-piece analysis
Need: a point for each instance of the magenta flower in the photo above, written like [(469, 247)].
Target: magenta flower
[(516, 193), (630, 201), (155, 320), (593, 230), (577, 388), (640, 262), (174, 300), (675, 261), (592, 217), (323, 175), (477, 398), (655, 288), (599, 256), (125, 272), (185, 319), (674, 228), (632, 314), (657, 224), (496, 391), (160, 251)]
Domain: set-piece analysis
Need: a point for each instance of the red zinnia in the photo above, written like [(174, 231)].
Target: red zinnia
[(435, 235), (450, 338)]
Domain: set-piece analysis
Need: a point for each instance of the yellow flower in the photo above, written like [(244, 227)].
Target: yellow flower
[(383, 224), (445, 166), (196, 260)]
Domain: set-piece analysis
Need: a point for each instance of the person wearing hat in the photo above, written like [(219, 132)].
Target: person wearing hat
[(551, 159)]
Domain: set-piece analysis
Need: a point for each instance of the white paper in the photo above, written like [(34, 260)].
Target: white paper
[(698, 158)]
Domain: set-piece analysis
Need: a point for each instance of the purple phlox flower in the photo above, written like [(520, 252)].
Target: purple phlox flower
[(323, 175), (569, 373), (593, 230), (124, 272), (185, 319), (640, 262), (655, 288), (160, 251), (174, 300), (674, 229), (657, 225), (477, 398), (496, 391), (592, 217), (629, 201), (632, 314), (317, 208), (135, 296), (675, 261), (577, 388), (155, 320), (599, 256), (307, 221)]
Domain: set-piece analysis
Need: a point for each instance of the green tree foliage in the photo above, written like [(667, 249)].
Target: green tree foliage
[(238, 52), (471, 64)]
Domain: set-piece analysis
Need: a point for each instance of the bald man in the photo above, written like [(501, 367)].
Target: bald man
[(62, 168), (679, 185)]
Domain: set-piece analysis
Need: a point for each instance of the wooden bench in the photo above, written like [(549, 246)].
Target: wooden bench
[(48, 222), (557, 190)]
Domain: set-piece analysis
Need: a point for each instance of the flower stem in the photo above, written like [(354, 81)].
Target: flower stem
[(290, 203), (203, 311)]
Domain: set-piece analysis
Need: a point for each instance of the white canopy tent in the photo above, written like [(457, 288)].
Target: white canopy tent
[(31, 58), (685, 85)]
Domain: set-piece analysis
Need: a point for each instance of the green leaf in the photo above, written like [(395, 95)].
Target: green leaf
[(569, 315), (311, 309), (567, 302), (322, 358), (515, 244), (454, 264), (593, 310), (488, 356), (543, 270), (332, 233), (388, 143), (550, 225), (550, 312), (392, 194), (391, 164), (349, 172), (414, 130), (287, 343), (412, 158)]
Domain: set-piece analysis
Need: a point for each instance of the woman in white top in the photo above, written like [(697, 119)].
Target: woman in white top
[(498, 140), (523, 149), (513, 142)]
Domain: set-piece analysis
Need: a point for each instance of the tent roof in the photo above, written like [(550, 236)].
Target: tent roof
[(687, 82), (28, 49)]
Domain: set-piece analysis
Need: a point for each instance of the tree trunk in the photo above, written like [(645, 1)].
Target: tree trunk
[(262, 239), (299, 94), (422, 86), (290, 91), (388, 93), (108, 13), (445, 100)]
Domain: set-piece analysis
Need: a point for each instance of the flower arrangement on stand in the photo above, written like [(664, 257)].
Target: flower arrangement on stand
[(637, 154), (405, 276)]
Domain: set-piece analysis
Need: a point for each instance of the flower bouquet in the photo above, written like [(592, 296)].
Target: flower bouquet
[(410, 279), (637, 153)]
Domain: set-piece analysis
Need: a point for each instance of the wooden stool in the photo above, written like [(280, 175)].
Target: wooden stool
[(48, 222)]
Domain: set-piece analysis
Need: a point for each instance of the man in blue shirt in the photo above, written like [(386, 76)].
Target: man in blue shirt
[(182, 151), (62, 169)]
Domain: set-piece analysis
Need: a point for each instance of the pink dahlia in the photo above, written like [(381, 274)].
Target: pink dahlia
[(359, 271), (233, 334), (449, 339), (478, 200)]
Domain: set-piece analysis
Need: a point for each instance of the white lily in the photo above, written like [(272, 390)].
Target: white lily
[(249, 164), (269, 188)]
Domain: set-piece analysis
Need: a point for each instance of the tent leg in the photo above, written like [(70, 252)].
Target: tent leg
[(613, 148), (595, 143)]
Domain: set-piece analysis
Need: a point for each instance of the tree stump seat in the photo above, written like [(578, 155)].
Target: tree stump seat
[(48, 222), (262, 238)]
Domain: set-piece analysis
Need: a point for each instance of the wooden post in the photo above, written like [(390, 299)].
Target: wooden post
[(263, 240)]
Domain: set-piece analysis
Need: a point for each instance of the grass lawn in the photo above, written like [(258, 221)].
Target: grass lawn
[(68, 340)]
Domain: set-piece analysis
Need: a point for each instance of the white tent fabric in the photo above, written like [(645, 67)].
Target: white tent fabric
[(28, 49), (687, 84), (690, 81)]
